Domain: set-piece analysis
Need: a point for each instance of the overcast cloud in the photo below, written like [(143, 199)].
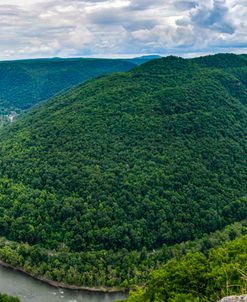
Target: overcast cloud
[(48, 28)]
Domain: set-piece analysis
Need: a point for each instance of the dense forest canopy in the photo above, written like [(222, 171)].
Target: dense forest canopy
[(115, 269), (26, 83), (130, 161), (197, 278)]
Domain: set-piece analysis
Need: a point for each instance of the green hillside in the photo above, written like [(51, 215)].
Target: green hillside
[(25, 83), (197, 278), (129, 162)]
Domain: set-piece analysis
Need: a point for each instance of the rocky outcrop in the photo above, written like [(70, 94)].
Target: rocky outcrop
[(242, 298)]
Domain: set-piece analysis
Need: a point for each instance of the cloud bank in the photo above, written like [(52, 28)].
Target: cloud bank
[(115, 28)]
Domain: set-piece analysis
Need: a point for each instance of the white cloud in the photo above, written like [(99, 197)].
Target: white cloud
[(46, 28)]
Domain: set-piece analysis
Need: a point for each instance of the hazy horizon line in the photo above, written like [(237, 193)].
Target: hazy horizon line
[(121, 56)]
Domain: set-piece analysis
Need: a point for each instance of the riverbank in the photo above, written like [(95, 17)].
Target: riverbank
[(64, 285)]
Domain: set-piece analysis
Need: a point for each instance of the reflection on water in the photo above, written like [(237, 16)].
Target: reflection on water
[(30, 290)]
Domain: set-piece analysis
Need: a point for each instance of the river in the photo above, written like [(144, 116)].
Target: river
[(30, 290)]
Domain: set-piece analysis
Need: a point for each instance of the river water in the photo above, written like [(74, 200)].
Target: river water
[(30, 290)]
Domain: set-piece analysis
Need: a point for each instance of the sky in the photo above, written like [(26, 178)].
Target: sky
[(121, 28)]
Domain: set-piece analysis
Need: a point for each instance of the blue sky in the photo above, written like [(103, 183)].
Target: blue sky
[(121, 28)]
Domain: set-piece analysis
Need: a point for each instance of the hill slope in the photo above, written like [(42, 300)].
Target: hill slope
[(156, 155), (25, 83), (197, 278)]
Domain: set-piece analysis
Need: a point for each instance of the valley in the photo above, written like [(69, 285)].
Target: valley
[(108, 181), (25, 83), (123, 151)]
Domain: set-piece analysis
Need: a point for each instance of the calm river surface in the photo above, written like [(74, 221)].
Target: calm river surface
[(30, 290)]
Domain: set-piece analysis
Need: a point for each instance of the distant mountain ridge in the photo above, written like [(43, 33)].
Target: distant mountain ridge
[(25, 83), (143, 59)]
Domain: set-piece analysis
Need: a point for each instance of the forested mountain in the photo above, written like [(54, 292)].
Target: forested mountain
[(129, 162), (25, 83)]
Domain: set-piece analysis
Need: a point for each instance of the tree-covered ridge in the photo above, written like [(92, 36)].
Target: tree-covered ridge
[(222, 61), (129, 161), (196, 277), (6, 298), (25, 83)]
